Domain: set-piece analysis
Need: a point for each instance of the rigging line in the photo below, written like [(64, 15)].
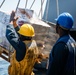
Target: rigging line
[(57, 3), (32, 4), (41, 8), (47, 7), (26, 3), (2, 3), (17, 5)]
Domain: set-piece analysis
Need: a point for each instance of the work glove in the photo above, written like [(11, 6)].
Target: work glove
[(13, 19)]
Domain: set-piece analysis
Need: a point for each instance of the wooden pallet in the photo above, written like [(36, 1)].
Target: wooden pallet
[(5, 54)]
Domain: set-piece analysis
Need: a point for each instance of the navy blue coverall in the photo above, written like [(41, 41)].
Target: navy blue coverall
[(18, 45), (62, 61)]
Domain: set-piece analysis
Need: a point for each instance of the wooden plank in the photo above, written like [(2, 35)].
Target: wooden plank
[(1, 50), (4, 54), (5, 58)]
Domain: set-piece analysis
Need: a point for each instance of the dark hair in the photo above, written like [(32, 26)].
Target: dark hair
[(61, 27), (23, 38), (57, 23), (64, 30)]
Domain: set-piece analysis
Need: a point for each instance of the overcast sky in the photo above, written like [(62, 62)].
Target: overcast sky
[(10, 5)]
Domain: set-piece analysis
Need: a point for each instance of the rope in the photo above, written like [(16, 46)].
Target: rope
[(48, 2), (32, 4), (41, 7), (26, 3), (2, 3), (17, 5), (57, 3)]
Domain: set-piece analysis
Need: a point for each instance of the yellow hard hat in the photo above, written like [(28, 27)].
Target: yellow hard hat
[(27, 30)]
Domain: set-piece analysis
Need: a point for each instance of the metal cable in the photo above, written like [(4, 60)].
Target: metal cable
[(47, 7), (17, 5), (41, 8), (2, 3), (26, 3), (32, 4)]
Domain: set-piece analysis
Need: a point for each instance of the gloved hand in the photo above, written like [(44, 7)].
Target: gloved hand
[(13, 19), (12, 16)]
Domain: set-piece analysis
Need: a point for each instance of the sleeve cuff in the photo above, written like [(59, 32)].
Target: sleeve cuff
[(17, 28)]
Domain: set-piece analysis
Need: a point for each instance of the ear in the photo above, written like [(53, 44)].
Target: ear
[(57, 28)]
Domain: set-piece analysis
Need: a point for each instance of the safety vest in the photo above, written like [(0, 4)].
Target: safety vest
[(24, 67)]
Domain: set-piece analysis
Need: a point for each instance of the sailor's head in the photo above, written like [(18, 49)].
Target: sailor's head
[(65, 20)]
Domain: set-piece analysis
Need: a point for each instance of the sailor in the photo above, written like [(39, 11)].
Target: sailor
[(62, 58), (26, 50)]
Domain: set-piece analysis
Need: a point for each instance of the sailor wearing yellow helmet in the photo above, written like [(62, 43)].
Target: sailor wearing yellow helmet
[(26, 51)]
